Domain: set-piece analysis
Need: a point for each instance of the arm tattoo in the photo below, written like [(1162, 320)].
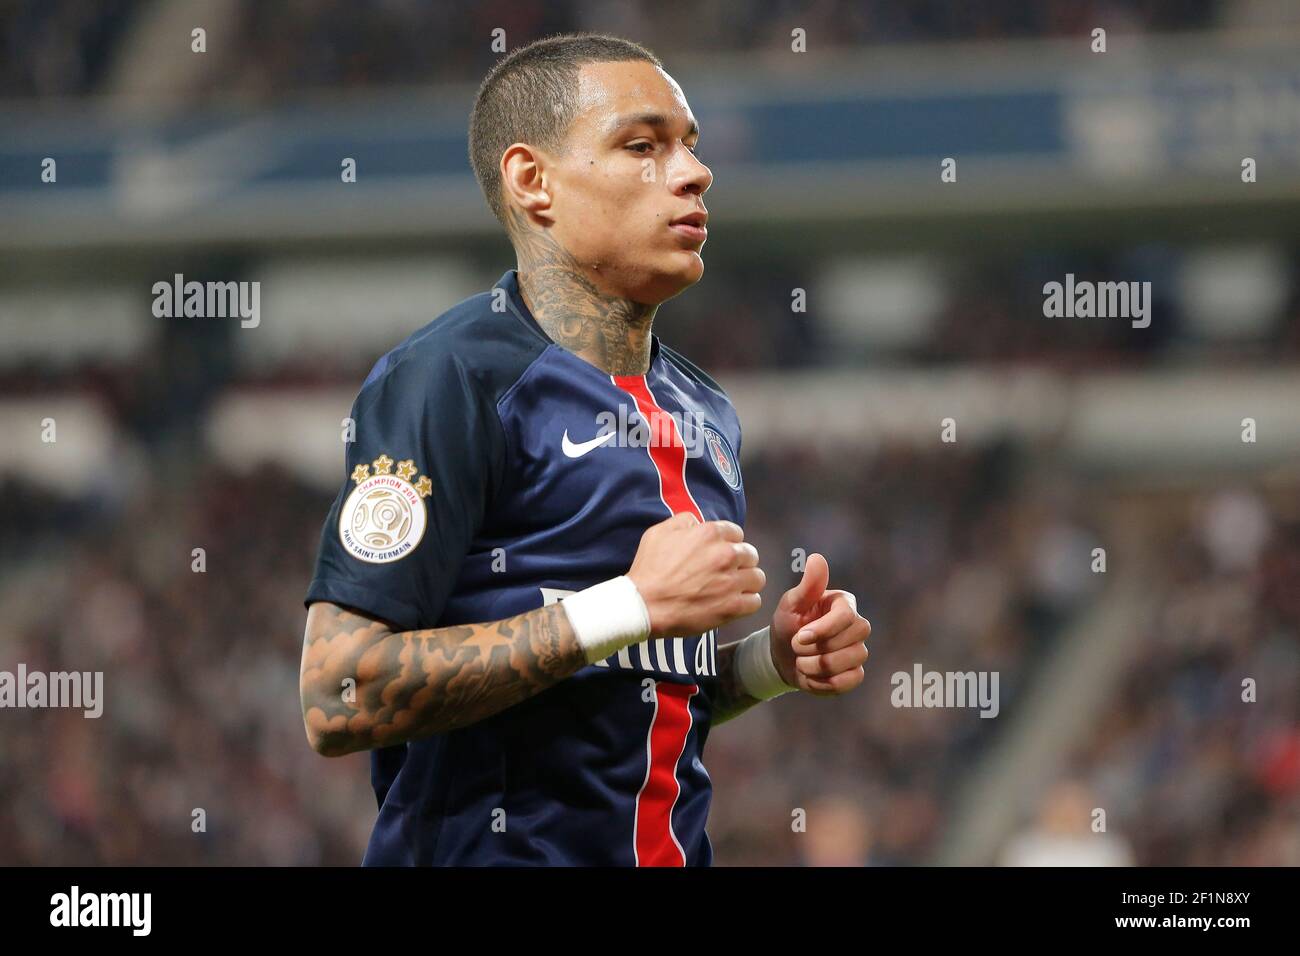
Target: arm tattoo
[(410, 684), (608, 331), (729, 700)]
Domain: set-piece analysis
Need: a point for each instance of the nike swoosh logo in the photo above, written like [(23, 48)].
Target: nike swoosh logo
[(573, 450)]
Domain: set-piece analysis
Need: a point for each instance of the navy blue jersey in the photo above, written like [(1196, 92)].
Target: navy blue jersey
[(494, 472)]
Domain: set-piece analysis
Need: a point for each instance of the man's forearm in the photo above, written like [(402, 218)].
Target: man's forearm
[(411, 684), (730, 700)]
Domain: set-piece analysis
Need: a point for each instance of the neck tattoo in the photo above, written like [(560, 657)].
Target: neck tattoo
[(610, 332)]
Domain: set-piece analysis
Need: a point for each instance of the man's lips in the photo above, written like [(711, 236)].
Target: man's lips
[(692, 227)]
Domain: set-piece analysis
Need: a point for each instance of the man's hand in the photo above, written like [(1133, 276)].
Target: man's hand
[(696, 576), (818, 637)]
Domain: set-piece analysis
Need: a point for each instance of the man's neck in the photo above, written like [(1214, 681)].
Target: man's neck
[(608, 331)]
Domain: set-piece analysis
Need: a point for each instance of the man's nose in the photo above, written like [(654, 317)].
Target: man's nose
[(689, 175)]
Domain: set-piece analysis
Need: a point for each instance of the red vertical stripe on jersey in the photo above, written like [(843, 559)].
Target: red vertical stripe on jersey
[(656, 844), (653, 838), (669, 456)]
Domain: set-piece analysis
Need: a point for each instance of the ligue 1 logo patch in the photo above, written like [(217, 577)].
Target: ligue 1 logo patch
[(384, 517), (722, 456)]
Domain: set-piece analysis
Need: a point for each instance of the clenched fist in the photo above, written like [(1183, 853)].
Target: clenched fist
[(696, 576)]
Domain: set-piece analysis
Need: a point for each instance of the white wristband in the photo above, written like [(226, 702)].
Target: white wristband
[(608, 617), (758, 675)]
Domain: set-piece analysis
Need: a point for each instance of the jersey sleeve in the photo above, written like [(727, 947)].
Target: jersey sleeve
[(427, 457)]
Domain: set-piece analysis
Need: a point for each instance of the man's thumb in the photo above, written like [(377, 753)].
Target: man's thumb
[(816, 575)]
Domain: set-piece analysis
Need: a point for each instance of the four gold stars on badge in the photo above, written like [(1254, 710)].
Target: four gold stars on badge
[(406, 470)]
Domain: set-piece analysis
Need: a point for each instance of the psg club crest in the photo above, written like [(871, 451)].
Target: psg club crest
[(724, 459), (384, 517)]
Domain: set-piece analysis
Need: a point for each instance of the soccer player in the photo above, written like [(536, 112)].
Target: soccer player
[(518, 589)]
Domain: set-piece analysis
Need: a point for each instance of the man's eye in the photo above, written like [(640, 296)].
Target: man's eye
[(637, 147)]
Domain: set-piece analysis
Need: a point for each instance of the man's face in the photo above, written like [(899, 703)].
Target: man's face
[(626, 174)]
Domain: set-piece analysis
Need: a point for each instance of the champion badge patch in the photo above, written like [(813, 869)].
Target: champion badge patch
[(384, 517)]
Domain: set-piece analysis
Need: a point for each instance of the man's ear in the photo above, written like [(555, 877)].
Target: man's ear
[(524, 180)]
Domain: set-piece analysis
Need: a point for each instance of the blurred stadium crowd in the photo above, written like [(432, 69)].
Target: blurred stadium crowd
[(1196, 778), (66, 47)]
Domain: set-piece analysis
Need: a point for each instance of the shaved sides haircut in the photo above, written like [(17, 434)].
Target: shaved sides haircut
[(531, 96)]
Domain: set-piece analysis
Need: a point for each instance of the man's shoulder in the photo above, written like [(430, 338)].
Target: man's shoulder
[(480, 341)]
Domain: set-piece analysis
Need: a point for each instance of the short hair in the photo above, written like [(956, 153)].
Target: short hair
[(531, 96)]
